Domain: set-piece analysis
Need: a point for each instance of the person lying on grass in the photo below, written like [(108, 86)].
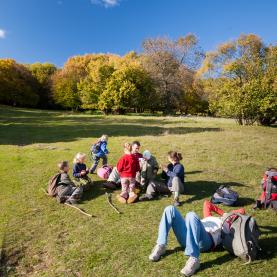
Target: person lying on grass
[(193, 234), (66, 190), (113, 181), (80, 172), (99, 151), (174, 175), (128, 166)]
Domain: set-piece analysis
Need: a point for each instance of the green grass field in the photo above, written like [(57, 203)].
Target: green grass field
[(40, 237)]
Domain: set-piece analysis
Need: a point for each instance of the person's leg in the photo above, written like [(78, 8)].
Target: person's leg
[(77, 193), (177, 189), (124, 188), (132, 191), (132, 186), (114, 176), (177, 186), (104, 160), (209, 207), (172, 218), (96, 161), (197, 238), (63, 192)]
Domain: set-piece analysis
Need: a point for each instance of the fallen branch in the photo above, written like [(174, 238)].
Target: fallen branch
[(109, 199), (79, 209)]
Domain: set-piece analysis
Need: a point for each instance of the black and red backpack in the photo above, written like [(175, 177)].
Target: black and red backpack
[(269, 187)]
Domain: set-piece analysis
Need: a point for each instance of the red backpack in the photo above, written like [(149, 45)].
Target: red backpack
[(53, 184)]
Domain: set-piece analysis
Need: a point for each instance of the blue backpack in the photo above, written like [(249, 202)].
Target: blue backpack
[(95, 147), (224, 195)]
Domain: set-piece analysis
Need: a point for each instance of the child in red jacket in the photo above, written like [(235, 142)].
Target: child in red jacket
[(127, 167)]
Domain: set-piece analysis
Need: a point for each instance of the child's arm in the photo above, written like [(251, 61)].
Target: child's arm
[(177, 171)]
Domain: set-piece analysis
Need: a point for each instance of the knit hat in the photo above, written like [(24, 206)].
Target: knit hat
[(146, 154)]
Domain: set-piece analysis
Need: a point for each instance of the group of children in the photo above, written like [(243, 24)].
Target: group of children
[(135, 173)]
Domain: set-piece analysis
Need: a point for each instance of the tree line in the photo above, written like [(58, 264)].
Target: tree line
[(237, 80)]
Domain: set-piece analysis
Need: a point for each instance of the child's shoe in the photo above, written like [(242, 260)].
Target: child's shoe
[(132, 198), (157, 252), (121, 199)]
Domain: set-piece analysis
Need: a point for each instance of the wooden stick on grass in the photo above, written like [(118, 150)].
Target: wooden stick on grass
[(109, 199)]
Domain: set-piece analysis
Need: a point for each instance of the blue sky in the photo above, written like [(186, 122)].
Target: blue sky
[(53, 30)]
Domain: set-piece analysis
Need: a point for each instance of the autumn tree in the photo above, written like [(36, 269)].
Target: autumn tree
[(17, 85), (65, 81)]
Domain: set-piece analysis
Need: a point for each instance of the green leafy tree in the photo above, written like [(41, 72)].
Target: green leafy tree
[(128, 88), (42, 72), (242, 80), (90, 87)]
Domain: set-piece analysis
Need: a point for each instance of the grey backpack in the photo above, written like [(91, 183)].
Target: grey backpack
[(224, 195), (240, 234)]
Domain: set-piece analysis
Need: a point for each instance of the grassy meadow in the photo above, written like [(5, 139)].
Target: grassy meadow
[(40, 237)]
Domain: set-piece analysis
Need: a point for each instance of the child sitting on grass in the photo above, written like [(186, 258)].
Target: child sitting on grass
[(127, 167), (99, 151), (80, 172), (149, 169), (66, 190)]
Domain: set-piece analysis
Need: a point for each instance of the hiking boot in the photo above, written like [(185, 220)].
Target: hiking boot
[(110, 185), (192, 265), (132, 198), (157, 252), (146, 197), (121, 199)]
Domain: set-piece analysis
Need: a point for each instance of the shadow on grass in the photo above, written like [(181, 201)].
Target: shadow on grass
[(94, 192), (19, 127), (217, 261)]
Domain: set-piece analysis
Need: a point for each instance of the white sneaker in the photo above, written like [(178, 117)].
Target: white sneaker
[(157, 252), (192, 265)]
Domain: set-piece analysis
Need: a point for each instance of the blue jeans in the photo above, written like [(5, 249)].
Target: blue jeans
[(189, 231), (96, 160)]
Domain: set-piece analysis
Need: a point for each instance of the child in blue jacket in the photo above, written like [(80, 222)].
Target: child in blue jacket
[(99, 151)]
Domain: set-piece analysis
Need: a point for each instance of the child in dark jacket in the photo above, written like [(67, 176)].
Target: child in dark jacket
[(80, 172), (99, 151), (174, 175), (127, 167), (66, 190)]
